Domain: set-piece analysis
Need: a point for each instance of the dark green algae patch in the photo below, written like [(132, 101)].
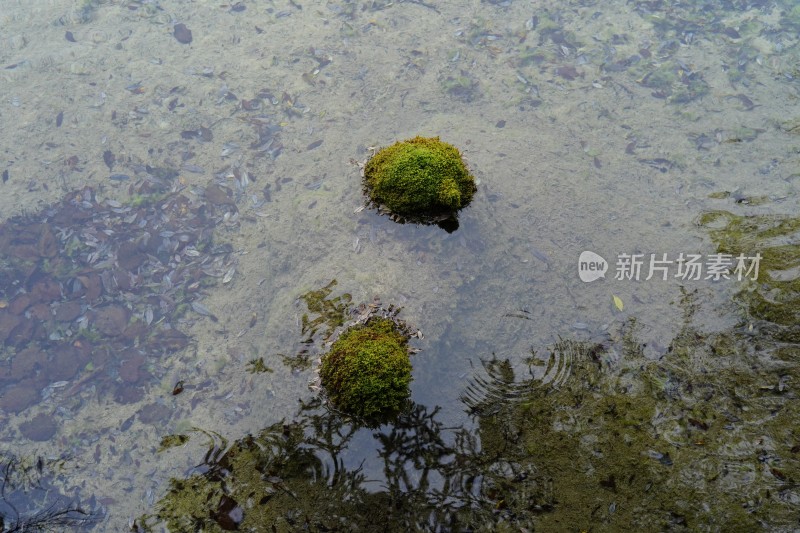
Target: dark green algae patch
[(703, 439), (774, 298)]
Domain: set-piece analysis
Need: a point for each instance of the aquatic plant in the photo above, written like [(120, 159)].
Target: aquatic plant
[(421, 179), (367, 370), (30, 502), (774, 299), (275, 477)]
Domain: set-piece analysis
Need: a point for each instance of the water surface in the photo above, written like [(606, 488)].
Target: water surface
[(609, 127)]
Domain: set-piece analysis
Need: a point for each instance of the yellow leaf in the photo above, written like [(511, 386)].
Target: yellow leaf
[(618, 302)]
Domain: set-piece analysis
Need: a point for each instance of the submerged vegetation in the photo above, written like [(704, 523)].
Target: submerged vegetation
[(29, 501), (668, 447), (774, 299), (702, 438)]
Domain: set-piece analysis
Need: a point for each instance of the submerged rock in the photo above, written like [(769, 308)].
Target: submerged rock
[(41, 428)]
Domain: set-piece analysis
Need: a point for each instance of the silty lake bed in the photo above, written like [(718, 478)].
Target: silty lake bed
[(180, 187)]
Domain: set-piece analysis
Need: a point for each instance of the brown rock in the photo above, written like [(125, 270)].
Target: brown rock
[(18, 305), (40, 311), (182, 33), (126, 394), (19, 397), (170, 340), (21, 334), (219, 195), (68, 311), (27, 363), (64, 363), (135, 329), (7, 324), (129, 369), (48, 245), (111, 320), (41, 428), (45, 290), (122, 279), (154, 412), (129, 256), (93, 285)]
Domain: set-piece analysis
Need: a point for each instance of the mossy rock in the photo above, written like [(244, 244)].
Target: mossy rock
[(421, 179), (367, 371)]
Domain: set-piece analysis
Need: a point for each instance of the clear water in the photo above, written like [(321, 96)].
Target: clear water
[(608, 127)]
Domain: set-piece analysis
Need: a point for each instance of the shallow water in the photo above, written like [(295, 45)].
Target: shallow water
[(608, 127)]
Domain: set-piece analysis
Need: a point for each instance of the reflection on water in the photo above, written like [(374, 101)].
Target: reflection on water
[(603, 126), (700, 440), (31, 501)]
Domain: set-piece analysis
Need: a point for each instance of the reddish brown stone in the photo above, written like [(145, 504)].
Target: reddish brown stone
[(129, 256), (170, 340), (136, 329), (18, 305), (7, 324), (68, 311), (101, 355), (40, 311), (19, 397), (154, 412), (64, 363), (41, 428), (92, 285), (21, 334), (122, 279), (46, 290), (111, 320), (126, 394), (219, 195), (26, 252), (27, 363), (129, 369), (47, 245)]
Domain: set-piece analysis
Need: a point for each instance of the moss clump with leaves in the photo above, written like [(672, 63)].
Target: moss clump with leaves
[(420, 179), (367, 371)]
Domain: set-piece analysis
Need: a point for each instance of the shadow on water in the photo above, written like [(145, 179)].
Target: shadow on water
[(702, 438), (29, 500)]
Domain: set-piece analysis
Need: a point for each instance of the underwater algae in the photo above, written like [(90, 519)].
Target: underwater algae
[(30, 499), (774, 298), (701, 439)]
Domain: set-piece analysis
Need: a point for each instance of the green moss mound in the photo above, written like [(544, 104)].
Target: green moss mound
[(419, 179), (367, 370)]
